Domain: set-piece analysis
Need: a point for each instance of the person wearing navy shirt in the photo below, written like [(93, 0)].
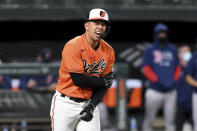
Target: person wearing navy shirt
[(39, 81), (5, 82), (191, 78), (184, 91), (161, 67)]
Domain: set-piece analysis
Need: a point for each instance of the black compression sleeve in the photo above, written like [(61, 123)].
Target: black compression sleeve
[(86, 81), (97, 95)]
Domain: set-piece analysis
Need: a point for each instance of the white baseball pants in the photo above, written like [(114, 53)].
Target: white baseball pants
[(153, 101), (64, 115)]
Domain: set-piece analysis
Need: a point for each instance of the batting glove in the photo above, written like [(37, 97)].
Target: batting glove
[(109, 79), (87, 112)]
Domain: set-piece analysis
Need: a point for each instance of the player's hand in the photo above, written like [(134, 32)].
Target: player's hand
[(87, 112), (109, 79)]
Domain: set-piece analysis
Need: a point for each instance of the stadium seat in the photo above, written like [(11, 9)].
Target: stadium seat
[(114, 2), (135, 98), (56, 3), (24, 2), (110, 98)]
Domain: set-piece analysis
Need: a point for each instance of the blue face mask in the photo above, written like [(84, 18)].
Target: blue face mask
[(187, 56)]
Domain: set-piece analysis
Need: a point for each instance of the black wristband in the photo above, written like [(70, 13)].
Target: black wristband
[(98, 95)]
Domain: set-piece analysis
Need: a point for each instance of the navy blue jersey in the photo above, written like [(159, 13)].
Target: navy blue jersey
[(192, 68), (184, 92), (163, 60)]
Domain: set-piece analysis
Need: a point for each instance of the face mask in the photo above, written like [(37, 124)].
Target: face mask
[(163, 41), (187, 56)]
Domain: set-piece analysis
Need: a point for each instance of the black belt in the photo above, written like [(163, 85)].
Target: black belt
[(74, 99)]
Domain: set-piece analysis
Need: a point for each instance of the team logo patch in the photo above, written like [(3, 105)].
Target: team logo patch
[(102, 13), (95, 68), (157, 56)]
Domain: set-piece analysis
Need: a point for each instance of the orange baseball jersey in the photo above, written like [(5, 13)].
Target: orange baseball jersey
[(79, 57)]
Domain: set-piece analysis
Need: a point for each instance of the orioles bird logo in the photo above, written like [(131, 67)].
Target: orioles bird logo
[(102, 13)]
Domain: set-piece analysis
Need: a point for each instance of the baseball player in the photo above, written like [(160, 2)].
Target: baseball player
[(191, 78), (84, 76), (161, 68)]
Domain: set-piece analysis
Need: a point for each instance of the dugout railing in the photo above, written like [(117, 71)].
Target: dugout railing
[(33, 105)]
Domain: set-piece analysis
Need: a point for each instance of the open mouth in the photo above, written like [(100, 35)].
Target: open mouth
[(98, 34)]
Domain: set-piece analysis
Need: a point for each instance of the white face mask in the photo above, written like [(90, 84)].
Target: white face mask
[(187, 56)]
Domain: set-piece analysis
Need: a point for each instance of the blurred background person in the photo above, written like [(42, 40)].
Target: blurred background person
[(184, 91), (46, 56), (35, 81), (3, 57), (161, 68), (5, 82), (191, 78)]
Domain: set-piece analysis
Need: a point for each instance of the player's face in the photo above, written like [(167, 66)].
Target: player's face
[(95, 29), (162, 35)]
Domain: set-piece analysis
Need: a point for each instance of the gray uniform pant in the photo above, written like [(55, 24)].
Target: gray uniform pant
[(153, 101)]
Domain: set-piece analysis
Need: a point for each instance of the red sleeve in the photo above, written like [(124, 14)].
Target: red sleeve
[(177, 73), (150, 74)]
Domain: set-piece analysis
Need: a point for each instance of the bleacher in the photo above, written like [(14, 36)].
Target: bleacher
[(77, 3), (58, 10), (25, 109)]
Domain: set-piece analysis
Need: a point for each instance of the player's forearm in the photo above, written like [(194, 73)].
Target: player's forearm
[(98, 95), (191, 81), (86, 81)]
